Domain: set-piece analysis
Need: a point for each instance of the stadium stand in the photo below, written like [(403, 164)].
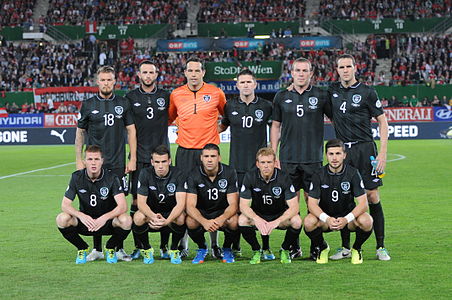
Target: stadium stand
[(16, 13)]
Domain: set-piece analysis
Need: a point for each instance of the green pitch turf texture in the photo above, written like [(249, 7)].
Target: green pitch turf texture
[(37, 263)]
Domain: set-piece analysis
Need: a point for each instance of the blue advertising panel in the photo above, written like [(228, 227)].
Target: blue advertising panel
[(442, 113), (313, 42), (185, 45), (263, 86), (239, 43), (37, 136), (22, 121)]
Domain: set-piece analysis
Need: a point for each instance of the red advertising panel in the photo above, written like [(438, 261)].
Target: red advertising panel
[(60, 120)]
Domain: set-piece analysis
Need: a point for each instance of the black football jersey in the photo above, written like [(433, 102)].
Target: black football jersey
[(150, 112), (352, 111), (267, 198), (336, 191), (212, 196), (95, 198), (161, 191), (105, 122), (248, 126), (302, 124)]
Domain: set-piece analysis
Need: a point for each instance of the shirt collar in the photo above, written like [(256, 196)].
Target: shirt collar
[(220, 169), (336, 174), (105, 99), (146, 93), (306, 90), (102, 171), (353, 86), (252, 102), (275, 173)]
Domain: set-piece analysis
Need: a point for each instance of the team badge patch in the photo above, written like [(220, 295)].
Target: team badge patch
[(259, 114), (161, 103), (171, 187), (222, 183), (206, 98), (104, 191), (345, 186), (276, 191), (313, 101), (356, 99), (378, 104), (119, 110)]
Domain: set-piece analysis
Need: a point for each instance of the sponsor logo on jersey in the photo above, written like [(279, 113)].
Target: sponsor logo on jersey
[(103, 192), (234, 113), (222, 183), (277, 191), (138, 184), (376, 179), (335, 95), (119, 110), (259, 114), (325, 186), (242, 189), (137, 104), (292, 189), (345, 186), (288, 100), (82, 191), (206, 98), (201, 185), (313, 101), (361, 184), (95, 112), (161, 103), (378, 104), (185, 185), (153, 188), (257, 189), (171, 187), (356, 99)]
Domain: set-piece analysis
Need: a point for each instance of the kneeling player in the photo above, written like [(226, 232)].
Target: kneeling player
[(102, 207), (267, 201), (212, 203), (161, 202), (331, 203)]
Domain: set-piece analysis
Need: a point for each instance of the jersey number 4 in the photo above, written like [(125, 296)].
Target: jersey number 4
[(343, 107)]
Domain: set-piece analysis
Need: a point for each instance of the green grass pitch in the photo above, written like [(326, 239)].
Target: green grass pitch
[(37, 263)]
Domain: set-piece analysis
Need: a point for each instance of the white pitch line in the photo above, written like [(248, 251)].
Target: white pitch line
[(400, 157), (37, 170)]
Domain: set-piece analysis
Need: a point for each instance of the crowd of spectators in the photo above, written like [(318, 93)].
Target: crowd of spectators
[(33, 65), (422, 58), (16, 13), (414, 101), (373, 9), (234, 11), (116, 12)]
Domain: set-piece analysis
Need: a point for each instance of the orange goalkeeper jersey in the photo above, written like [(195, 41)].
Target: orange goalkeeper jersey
[(197, 115)]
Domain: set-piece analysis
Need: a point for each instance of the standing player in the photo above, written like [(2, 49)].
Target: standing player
[(212, 203), (267, 201), (161, 202), (331, 203), (150, 110), (298, 123), (104, 119), (102, 209), (248, 117), (354, 104), (196, 106)]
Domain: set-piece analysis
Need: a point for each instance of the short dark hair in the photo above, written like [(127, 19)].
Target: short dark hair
[(246, 71), (94, 149), (303, 60), (211, 147), (346, 56), (194, 59), (147, 62), (161, 150), (334, 143)]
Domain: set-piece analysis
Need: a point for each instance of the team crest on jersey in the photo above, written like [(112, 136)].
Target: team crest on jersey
[(288, 100), (313, 101), (356, 100), (161, 103), (119, 110), (259, 115), (103, 192), (345, 186), (277, 191), (222, 183), (171, 187), (206, 98)]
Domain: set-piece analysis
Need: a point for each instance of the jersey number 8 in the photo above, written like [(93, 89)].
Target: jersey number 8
[(92, 200)]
